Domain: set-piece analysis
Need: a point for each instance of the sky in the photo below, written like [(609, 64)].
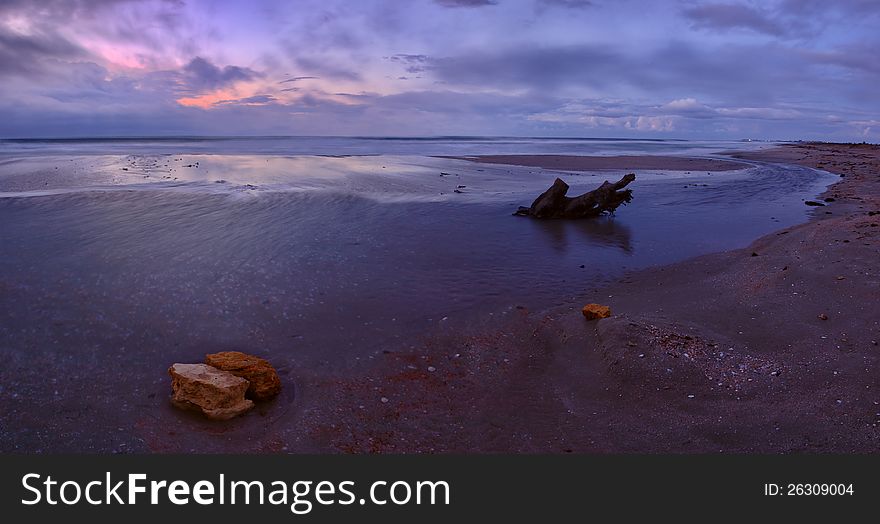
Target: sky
[(784, 69)]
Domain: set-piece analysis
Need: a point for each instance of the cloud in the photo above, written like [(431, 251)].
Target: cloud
[(733, 16), (668, 70), (124, 33), (570, 4), (795, 68), (59, 9), (297, 79), (860, 57), (587, 116), (681, 117), (249, 101), (866, 128), (24, 54), (202, 74), (326, 69), (860, 8), (674, 70), (535, 67), (687, 106), (413, 63), (786, 19), (760, 113), (465, 3)]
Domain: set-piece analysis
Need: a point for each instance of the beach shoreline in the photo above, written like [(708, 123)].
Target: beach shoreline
[(767, 349)]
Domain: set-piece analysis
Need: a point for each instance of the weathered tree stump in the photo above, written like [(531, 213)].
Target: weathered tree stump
[(554, 204)]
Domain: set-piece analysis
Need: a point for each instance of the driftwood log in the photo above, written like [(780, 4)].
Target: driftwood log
[(554, 204)]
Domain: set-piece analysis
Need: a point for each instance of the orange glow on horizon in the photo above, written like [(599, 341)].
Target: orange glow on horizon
[(239, 94), (207, 100)]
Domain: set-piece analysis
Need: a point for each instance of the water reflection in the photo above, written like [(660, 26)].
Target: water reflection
[(604, 231)]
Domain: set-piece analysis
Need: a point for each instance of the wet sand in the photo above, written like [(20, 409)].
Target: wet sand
[(589, 163)]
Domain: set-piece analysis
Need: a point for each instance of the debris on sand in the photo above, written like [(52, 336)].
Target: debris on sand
[(219, 395), (554, 204)]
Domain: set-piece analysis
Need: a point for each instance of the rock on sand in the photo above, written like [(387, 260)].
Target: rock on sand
[(264, 381), (596, 311), (217, 394)]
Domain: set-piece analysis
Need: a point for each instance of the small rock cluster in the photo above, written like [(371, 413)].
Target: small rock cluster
[(225, 386)]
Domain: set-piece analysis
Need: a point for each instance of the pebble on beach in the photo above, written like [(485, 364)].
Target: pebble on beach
[(596, 311)]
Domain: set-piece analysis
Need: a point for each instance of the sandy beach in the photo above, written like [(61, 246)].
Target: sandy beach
[(445, 337)]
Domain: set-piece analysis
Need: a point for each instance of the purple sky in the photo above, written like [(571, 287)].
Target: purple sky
[(787, 69)]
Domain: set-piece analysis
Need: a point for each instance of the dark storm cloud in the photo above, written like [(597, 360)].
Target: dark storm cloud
[(734, 16), (465, 3), (202, 74)]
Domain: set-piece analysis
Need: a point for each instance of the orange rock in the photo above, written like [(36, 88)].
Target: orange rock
[(217, 394), (596, 311), (264, 381)]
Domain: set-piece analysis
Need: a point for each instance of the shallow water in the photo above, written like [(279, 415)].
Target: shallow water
[(329, 260)]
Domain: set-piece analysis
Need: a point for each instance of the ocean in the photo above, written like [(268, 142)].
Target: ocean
[(316, 145)]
